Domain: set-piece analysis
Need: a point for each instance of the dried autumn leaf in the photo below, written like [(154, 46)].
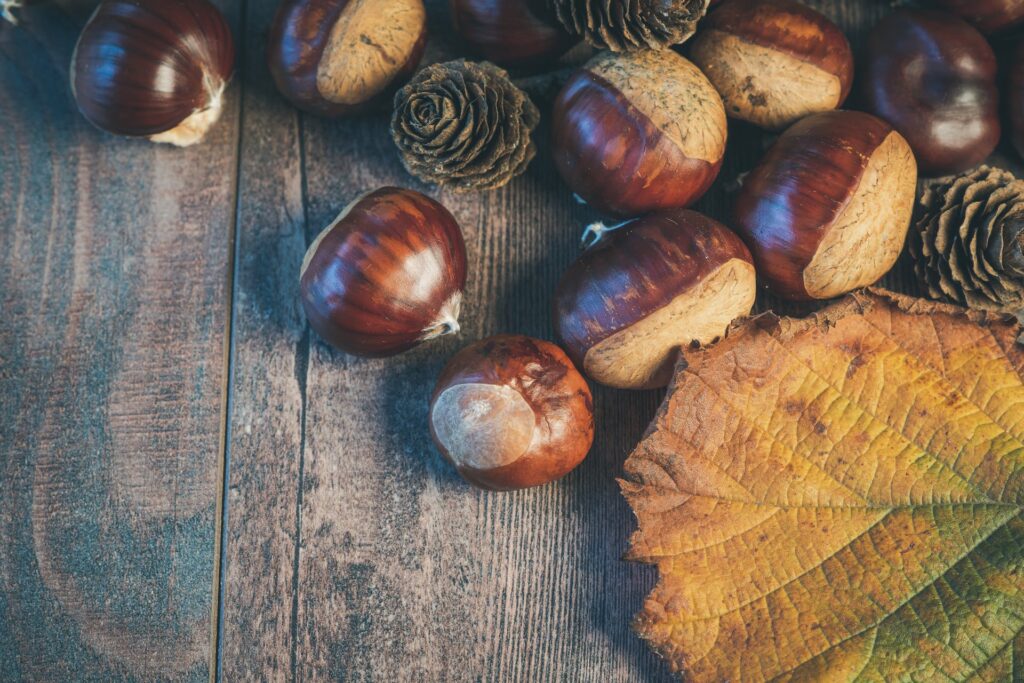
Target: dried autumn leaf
[(839, 499)]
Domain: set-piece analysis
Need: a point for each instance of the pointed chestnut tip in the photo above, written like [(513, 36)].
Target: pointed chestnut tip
[(7, 8), (595, 233), (447, 321)]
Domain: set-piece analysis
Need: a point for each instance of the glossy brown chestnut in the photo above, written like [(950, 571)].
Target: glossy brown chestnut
[(342, 57), (990, 16), (386, 275), (510, 33), (933, 77), (1015, 97), (627, 306), (153, 68), (774, 61), (639, 131), (827, 209), (511, 412)]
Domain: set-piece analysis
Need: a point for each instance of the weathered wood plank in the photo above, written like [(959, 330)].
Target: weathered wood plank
[(271, 345), (114, 310), (353, 552)]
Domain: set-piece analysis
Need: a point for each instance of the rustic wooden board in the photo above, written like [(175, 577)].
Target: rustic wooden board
[(113, 314), (352, 551)]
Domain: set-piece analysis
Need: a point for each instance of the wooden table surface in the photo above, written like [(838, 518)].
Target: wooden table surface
[(192, 485)]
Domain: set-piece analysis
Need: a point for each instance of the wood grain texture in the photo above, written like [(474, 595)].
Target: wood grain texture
[(112, 323), (270, 347), (353, 552)]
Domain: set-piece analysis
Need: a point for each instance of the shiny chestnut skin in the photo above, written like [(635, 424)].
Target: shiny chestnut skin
[(773, 61), (386, 275), (153, 68), (1015, 97), (510, 412), (933, 77), (826, 211), (344, 57), (510, 33), (639, 131), (627, 306), (990, 16)]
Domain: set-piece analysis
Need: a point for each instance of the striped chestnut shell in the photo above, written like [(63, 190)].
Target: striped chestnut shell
[(342, 57), (827, 209), (637, 132), (386, 275), (774, 61), (654, 286), (510, 412), (153, 68)]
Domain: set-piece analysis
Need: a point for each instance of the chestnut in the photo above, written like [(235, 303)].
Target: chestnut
[(933, 77), (510, 412), (153, 68), (510, 33), (627, 306), (634, 132), (342, 57), (774, 61), (989, 16), (386, 275), (827, 209), (1015, 97)]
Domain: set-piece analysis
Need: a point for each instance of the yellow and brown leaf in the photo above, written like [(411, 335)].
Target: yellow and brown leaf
[(839, 499)]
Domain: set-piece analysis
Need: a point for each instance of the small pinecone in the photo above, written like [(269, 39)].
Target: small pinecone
[(968, 245), (464, 125), (624, 25)]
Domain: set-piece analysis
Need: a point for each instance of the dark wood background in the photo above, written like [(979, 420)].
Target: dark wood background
[(194, 486)]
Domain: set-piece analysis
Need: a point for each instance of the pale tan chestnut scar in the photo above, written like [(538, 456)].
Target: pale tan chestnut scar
[(769, 88), (866, 238), (483, 426), (643, 355), (368, 46), (668, 89)]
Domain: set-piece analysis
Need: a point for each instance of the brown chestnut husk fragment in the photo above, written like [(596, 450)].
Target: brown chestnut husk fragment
[(933, 77), (827, 209), (626, 307), (637, 132), (343, 57), (510, 33), (774, 61), (153, 68), (510, 412), (386, 275), (989, 16)]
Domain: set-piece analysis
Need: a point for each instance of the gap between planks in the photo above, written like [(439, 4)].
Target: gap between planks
[(223, 464)]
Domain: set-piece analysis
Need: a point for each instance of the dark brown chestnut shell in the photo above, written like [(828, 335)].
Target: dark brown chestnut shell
[(344, 57), (933, 77), (144, 67), (828, 207), (990, 16), (637, 132), (626, 307), (386, 275), (774, 61), (510, 412), (510, 33), (1015, 97)]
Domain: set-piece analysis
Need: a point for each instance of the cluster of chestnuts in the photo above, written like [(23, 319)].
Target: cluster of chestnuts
[(638, 132)]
